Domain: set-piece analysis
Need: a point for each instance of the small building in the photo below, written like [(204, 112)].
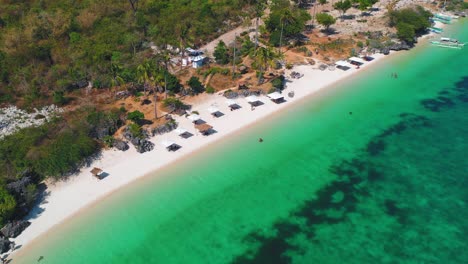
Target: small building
[(276, 97), (170, 146), (183, 133), (204, 129), (232, 104), (97, 172), (197, 61), (215, 111), (356, 61), (254, 100)]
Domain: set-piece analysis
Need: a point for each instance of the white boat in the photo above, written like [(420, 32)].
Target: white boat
[(448, 43), (436, 30)]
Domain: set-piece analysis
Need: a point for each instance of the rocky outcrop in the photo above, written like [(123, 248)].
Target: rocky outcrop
[(14, 228), (143, 145), (241, 93), (399, 46), (13, 119), (5, 245), (25, 196), (77, 85), (166, 128), (139, 141), (120, 145)]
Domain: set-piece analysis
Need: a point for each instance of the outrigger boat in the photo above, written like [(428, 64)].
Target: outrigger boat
[(436, 30), (448, 43)]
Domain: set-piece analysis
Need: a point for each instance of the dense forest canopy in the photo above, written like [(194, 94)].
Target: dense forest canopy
[(51, 45)]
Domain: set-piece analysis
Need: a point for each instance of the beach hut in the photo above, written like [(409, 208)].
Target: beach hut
[(215, 111), (204, 129), (194, 118), (253, 100), (276, 97), (170, 146), (342, 65), (232, 104), (367, 58), (356, 61), (197, 61), (97, 172), (183, 133)]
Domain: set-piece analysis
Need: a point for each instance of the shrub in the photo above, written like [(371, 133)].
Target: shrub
[(410, 22), (7, 205), (210, 90), (135, 116), (109, 140), (196, 85), (136, 130), (278, 83), (360, 44), (173, 103), (59, 98)]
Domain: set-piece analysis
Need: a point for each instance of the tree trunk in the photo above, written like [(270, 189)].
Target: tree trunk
[(155, 105), (256, 33)]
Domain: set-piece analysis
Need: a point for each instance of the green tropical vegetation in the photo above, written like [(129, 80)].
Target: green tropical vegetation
[(285, 21), (325, 20), (410, 22), (48, 46)]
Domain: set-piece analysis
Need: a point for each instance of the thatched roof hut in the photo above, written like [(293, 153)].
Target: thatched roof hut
[(96, 172), (205, 129)]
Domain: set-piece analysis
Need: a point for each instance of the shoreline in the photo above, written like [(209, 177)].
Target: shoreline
[(66, 199)]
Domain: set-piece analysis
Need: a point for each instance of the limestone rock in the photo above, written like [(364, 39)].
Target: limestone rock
[(15, 228), (5, 245), (120, 145)]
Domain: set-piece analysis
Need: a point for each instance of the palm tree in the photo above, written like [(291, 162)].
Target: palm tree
[(264, 58), (116, 78), (287, 18), (143, 74), (163, 59), (259, 9)]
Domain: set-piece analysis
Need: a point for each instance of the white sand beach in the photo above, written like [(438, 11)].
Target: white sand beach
[(67, 198)]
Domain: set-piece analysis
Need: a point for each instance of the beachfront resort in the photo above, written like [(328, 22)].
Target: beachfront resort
[(111, 93)]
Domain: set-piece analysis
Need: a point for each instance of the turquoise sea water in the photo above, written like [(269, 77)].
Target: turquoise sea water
[(372, 171)]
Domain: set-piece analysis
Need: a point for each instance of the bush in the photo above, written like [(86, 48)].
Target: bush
[(135, 116), (136, 130), (210, 90), (325, 20), (109, 140), (7, 205), (173, 103), (278, 83), (196, 85), (221, 53), (59, 98), (410, 22)]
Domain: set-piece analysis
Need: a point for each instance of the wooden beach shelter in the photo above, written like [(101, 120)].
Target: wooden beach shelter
[(254, 100), (356, 61), (182, 132), (97, 172), (214, 111), (276, 97), (232, 104), (170, 146), (343, 65), (204, 129)]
